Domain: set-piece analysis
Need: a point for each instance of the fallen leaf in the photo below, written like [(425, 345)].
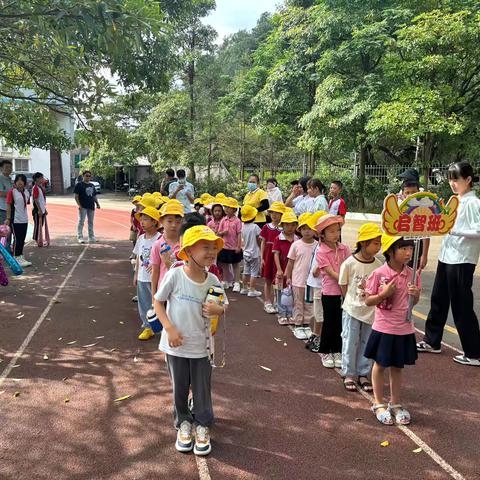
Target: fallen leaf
[(135, 359), (358, 419), (246, 324), (16, 394), (2, 392), (277, 339), (20, 315), (90, 345), (108, 293), (64, 379), (60, 338), (15, 366), (66, 400), (101, 336), (265, 368), (284, 344), (91, 306), (417, 450), (120, 399), (93, 320), (72, 342), (45, 356), (113, 349), (121, 323), (254, 320), (386, 443)]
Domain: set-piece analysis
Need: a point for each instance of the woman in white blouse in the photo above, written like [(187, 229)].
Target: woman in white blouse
[(456, 266)]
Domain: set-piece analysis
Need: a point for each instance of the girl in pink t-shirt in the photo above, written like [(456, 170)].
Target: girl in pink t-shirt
[(217, 215), (330, 256), (392, 341), (299, 260)]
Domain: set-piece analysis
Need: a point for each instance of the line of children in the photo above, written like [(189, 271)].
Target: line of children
[(251, 251)]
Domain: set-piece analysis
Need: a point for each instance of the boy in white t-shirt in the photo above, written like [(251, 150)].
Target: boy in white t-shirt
[(186, 335), (251, 251), (149, 219)]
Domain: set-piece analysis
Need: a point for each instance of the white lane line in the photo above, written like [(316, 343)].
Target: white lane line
[(203, 471), (40, 320), (415, 438)]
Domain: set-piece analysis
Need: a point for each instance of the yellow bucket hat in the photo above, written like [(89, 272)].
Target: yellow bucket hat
[(147, 201), (231, 202), (278, 207), (194, 235), (156, 195), (289, 217), (368, 231), (388, 241), (150, 212), (304, 219), (137, 199), (147, 194), (219, 198), (172, 207), (248, 213), (312, 223), (206, 198)]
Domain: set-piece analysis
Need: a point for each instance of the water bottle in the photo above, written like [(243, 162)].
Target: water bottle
[(153, 321), (215, 294)]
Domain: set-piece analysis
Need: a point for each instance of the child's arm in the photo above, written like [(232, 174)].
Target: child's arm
[(289, 270), (175, 338), (239, 241), (155, 277), (135, 275), (262, 249), (331, 272), (344, 289), (259, 243), (8, 220), (387, 291)]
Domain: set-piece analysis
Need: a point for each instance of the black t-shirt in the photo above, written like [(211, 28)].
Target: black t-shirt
[(86, 195)]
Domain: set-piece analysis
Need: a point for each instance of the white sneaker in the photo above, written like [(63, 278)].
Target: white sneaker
[(92, 240), (337, 360), (299, 333), (269, 308), (202, 441), (184, 441), (22, 262), (81, 240), (254, 293), (327, 360), (236, 287), (226, 285), (244, 291), (308, 332)]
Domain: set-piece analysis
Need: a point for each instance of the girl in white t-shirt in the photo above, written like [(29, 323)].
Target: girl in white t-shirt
[(17, 216), (357, 318)]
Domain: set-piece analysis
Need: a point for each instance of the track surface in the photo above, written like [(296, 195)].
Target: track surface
[(293, 422)]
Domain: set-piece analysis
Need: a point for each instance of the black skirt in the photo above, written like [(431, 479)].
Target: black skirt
[(229, 256), (391, 350)]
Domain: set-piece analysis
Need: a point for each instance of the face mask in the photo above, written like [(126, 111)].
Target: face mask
[(251, 186)]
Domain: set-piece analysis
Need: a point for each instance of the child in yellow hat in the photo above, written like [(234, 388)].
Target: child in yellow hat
[(268, 234), (251, 251), (357, 318), (149, 219), (135, 227), (185, 322), (166, 247), (391, 344)]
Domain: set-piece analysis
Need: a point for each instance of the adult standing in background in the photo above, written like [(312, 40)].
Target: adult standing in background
[(6, 184), (273, 191), (168, 179), (86, 198), (257, 198), (183, 191)]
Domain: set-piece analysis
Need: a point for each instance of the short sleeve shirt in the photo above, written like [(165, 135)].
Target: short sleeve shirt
[(86, 195), (250, 233), (282, 246), (392, 320), (38, 194), (143, 249), (337, 206), (19, 201), (254, 199), (156, 256), (314, 282), (233, 227), (331, 257), (182, 194), (184, 299), (5, 185), (354, 274), (301, 254)]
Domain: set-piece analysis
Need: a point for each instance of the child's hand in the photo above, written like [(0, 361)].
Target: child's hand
[(212, 309), (289, 282), (413, 290), (279, 275), (316, 272), (389, 289), (175, 338)]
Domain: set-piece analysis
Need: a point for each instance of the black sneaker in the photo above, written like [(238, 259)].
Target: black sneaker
[(315, 347), (310, 341), (427, 348)]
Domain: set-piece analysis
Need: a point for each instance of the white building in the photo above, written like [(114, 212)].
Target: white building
[(37, 160)]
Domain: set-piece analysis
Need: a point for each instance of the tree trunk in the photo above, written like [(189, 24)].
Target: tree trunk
[(242, 148), (209, 160), (56, 172), (191, 83), (361, 176)]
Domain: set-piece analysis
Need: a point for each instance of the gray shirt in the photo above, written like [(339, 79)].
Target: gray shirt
[(5, 185)]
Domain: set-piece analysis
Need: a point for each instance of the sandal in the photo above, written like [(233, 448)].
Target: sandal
[(384, 417), (401, 415), (350, 385), (365, 385)]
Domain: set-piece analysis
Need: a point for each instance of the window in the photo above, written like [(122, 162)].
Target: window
[(21, 165)]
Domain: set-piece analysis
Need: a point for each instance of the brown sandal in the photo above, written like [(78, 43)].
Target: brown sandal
[(350, 385)]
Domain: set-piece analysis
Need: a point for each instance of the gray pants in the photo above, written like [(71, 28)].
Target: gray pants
[(197, 373), (3, 217), (144, 294), (355, 335), (90, 214)]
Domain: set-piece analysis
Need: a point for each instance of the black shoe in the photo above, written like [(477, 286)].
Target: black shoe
[(315, 347), (310, 341)]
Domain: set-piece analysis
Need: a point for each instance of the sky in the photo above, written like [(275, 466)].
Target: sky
[(233, 15)]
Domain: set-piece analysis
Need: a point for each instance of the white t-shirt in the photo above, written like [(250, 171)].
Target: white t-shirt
[(19, 202), (314, 282), (184, 299), (354, 274), (143, 248), (298, 204), (250, 233)]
